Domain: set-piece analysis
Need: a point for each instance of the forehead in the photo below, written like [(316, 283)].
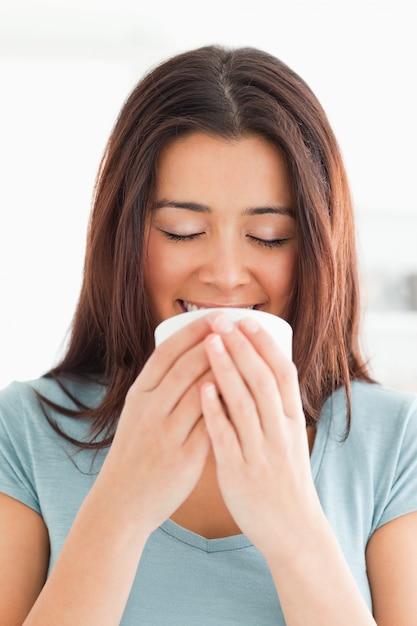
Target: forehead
[(203, 167)]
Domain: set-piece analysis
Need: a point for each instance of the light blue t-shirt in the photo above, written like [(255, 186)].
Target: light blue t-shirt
[(184, 579)]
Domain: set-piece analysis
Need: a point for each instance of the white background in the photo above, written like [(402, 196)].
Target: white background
[(65, 69)]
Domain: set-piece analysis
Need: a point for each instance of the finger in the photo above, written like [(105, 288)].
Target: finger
[(169, 351), (182, 420), (157, 404), (223, 436), (183, 374), (256, 373), (198, 442), (260, 381), (171, 370), (239, 401), (284, 370)]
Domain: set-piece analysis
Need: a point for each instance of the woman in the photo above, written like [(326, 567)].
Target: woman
[(212, 481)]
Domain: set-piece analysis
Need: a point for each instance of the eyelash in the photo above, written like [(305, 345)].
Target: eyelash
[(271, 243), (175, 237)]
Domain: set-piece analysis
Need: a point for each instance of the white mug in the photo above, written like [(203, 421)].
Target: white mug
[(278, 328)]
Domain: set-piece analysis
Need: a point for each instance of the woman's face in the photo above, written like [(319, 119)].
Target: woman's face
[(222, 232)]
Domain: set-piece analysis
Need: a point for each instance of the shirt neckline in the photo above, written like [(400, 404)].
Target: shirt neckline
[(238, 542)]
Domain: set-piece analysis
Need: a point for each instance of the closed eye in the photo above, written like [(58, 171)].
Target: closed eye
[(269, 243), (178, 237), (266, 243)]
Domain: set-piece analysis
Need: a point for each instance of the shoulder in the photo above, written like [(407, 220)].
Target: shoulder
[(371, 397), (383, 412), (36, 463), (21, 408), (376, 463), (382, 438), (16, 401), (22, 393), (57, 391), (377, 411)]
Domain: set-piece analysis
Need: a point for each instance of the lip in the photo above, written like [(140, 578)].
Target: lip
[(211, 305)]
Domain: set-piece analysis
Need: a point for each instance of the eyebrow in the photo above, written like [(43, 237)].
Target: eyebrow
[(202, 208)]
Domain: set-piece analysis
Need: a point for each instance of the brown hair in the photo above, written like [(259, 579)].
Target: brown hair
[(227, 93)]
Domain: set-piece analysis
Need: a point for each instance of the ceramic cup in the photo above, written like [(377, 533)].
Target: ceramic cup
[(278, 328)]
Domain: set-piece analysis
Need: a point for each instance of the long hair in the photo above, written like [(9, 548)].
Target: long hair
[(227, 93)]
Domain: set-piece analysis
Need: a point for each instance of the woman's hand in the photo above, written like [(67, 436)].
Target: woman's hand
[(161, 443), (257, 428)]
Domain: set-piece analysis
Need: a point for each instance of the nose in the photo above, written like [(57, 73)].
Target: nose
[(225, 266)]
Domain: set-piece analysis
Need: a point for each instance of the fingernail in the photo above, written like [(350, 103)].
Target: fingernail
[(250, 325), (222, 324), (217, 343), (210, 391)]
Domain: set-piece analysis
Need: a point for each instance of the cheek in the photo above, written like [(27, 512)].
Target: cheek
[(175, 264), (282, 280), (165, 266)]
